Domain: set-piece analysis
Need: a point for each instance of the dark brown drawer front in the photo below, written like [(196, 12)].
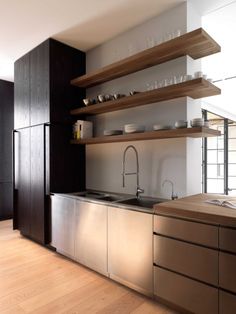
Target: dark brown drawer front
[(186, 293), (227, 273), (186, 230), (228, 239), (188, 259), (227, 303)]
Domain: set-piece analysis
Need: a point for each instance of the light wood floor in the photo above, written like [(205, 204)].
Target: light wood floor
[(35, 280)]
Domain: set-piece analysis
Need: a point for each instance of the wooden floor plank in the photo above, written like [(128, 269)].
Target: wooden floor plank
[(36, 280)]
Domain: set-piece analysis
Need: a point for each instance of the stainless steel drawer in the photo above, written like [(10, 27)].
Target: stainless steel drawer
[(227, 303), (188, 259), (227, 239), (186, 230), (191, 295), (227, 273)]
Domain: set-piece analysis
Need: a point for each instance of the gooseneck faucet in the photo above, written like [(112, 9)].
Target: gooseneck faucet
[(124, 173), (174, 196)]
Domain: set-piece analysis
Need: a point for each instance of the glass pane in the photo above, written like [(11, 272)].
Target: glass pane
[(215, 186), (232, 144), (232, 182), (215, 156), (232, 157), (232, 131), (212, 143), (232, 193), (232, 170), (215, 171)]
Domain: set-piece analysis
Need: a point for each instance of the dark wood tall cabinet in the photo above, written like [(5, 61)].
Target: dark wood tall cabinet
[(6, 127), (44, 160)]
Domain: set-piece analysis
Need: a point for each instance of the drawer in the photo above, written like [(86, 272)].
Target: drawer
[(227, 303), (227, 271), (191, 295), (227, 239), (188, 259), (187, 230)]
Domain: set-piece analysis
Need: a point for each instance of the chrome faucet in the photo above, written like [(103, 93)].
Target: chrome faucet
[(138, 189), (174, 196)]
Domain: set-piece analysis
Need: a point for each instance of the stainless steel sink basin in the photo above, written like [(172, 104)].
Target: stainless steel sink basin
[(111, 198), (142, 202), (89, 194), (99, 196)]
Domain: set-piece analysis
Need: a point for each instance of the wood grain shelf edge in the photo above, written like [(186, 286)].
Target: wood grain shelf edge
[(151, 135), (196, 44)]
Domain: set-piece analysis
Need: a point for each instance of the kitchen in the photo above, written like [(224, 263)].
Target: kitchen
[(98, 229)]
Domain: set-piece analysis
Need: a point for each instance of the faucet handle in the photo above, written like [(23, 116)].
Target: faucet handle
[(174, 196), (139, 191)]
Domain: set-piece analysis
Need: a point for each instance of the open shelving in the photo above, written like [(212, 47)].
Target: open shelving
[(196, 44), (196, 132), (195, 89)]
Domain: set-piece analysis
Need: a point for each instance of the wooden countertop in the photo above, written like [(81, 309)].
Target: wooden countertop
[(195, 207)]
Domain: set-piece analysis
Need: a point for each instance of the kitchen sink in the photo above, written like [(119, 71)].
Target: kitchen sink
[(100, 196), (88, 194), (142, 202), (111, 198)]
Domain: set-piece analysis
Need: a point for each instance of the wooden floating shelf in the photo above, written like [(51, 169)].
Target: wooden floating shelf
[(195, 89), (151, 135), (196, 44)]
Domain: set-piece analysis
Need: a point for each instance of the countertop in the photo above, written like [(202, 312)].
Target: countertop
[(195, 208), (109, 203)]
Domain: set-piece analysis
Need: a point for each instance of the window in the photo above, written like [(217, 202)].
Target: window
[(219, 157)]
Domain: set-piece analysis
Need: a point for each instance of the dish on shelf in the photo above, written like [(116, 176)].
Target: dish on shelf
[(118, 96), (89, 101), (158, 127), (197, 122), (134, 128), (134, 92), (112, 132), (103, 98), (180, 124)]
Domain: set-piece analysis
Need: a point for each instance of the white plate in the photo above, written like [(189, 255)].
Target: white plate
[(158, 127), (112, 132)]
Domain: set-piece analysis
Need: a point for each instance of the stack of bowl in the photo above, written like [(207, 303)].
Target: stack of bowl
[(133, 128), (180, 124), (197, 122)]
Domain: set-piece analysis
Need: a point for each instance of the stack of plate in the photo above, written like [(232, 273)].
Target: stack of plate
[(112, 132), (197, 122), (133, 128), (158, 127)]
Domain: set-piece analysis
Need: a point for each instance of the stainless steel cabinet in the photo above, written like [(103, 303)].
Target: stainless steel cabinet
[(130, 246), (91, 235), (63, 225)]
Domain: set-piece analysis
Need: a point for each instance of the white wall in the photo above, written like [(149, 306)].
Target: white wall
[(159, 159)]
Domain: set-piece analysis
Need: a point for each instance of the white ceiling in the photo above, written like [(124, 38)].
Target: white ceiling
[(83, 24)]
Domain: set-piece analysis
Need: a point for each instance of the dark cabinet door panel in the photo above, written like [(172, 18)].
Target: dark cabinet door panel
[(6, 200), (22, 92), (22, 180), (39, 84), (37, 183), (6, 127)]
